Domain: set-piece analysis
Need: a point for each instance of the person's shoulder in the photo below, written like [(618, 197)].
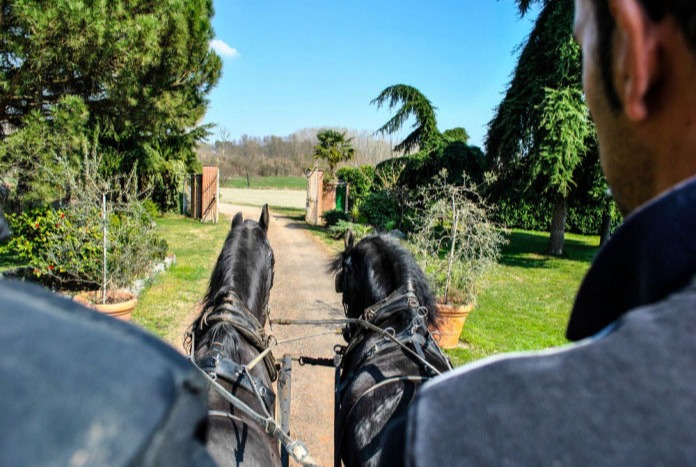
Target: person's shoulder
[(119, 395), (592, 402)]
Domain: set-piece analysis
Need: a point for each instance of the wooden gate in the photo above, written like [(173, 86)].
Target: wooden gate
[(205, 194)]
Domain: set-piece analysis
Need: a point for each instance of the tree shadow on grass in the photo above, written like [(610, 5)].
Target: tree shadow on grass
[(528, 250)]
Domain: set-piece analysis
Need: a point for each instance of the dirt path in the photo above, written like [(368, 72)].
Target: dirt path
[(303, 290)]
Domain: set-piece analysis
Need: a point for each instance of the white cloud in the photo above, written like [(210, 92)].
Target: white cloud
[(223, 49)]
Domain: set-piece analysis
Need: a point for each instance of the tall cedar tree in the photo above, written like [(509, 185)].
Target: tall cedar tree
[(413, 105), (542, 123)]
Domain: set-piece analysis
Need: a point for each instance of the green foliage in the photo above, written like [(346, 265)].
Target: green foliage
[(413, 104), (41, 156), (64, 246), (334, 148), (57, 244), (541, 133), (360, 179), (151, 209), (140, 69), (520, 213), (565, 125), (382, 209), (453, 238), (333, 216), (456, 134), (359, 230), (456, 158)]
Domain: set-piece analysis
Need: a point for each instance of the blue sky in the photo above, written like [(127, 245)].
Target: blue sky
[(293, 64)]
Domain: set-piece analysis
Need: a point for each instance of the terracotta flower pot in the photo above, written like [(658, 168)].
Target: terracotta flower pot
[(450, 324), (119, 303)]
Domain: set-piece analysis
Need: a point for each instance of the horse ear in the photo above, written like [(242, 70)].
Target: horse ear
[(349, 239), (237, 220), (263, 222)]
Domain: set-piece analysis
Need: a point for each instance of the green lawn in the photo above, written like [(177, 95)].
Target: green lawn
[(527, 298), (172, 296), (287, 183)]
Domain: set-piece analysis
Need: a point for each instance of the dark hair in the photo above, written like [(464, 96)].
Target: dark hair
[(683, 12)]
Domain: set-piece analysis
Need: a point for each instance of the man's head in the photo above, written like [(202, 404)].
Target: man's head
[(639, 71)]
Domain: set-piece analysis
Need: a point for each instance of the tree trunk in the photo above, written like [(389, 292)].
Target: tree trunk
[(557, 239), (605, 229)]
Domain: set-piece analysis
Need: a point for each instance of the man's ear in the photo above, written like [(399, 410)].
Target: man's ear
[(635, 56)]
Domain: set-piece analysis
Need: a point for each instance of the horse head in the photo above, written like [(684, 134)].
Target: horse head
[(242, 278), (375, 267), (245, 266)]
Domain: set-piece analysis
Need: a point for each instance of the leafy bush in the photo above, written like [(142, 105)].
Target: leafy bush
[(57, 244), (360, 179), (382, 209), (333, 216), (359, 230), (65, 246)]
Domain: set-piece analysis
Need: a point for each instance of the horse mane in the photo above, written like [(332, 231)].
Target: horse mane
[(239, 275), (237, 268), (400, 268)]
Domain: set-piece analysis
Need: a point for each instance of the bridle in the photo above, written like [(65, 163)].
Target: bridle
[(414, 339), (232, 311), (214, 366)]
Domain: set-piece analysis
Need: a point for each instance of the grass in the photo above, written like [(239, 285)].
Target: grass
[(167, 303), (526, 299), (287, 183)]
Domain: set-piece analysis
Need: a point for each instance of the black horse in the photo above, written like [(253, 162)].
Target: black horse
[(390, 352), (229, 334)]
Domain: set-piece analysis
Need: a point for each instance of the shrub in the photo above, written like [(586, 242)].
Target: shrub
[(333, 216), (64, 247), (382, 209), (359, 230), (360, 179)]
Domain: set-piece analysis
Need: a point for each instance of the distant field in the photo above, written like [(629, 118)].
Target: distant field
[(263, 183)]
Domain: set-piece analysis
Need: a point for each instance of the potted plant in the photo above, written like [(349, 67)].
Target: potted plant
[(128, 248), (455, 243)]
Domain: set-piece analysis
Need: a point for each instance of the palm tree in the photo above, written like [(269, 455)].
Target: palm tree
[(334, 148), (413, 104)]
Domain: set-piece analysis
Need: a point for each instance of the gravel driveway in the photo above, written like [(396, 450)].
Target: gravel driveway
[(251, 197), (302, 289)]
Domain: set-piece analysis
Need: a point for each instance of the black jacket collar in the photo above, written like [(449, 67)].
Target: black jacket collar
[(652, 255)]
